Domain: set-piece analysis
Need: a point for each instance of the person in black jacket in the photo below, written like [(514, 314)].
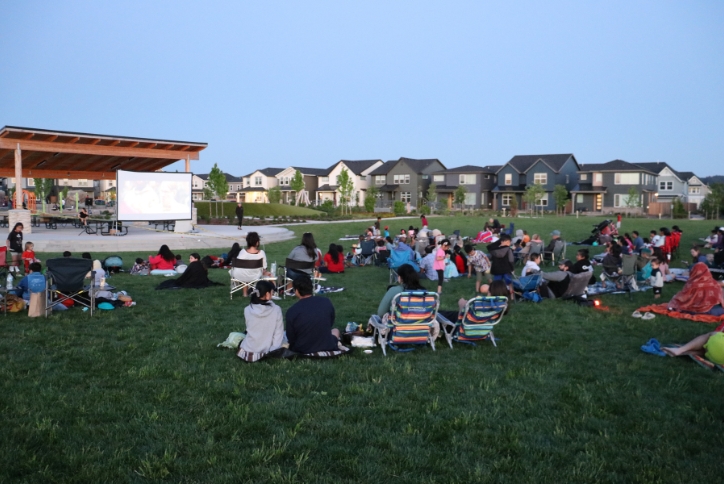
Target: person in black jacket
[(239, 214), (501, 259)]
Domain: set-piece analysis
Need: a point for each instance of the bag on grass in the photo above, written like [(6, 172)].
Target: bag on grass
[(532, 296)]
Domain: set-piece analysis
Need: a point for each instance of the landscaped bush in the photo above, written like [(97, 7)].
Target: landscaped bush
[(424, 210), (399, 208)]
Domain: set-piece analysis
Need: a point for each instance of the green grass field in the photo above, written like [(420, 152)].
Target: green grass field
[(142, 394)]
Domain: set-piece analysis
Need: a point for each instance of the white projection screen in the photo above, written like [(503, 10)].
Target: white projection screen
[(153, 195)]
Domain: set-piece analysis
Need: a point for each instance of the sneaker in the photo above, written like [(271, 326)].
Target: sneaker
[(290, 293), (320, 278), (276, 298)]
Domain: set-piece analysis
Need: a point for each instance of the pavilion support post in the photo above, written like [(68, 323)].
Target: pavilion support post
[(188, 164), (17, 214)]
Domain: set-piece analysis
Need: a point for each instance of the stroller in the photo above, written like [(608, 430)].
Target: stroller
[(598, 230)]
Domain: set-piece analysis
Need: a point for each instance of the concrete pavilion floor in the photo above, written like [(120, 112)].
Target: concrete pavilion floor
[(146, 238)]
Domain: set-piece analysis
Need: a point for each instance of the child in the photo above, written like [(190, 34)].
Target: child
[(178, 261), (657, 278), (479, 261), (387, 231), (264, 324), (451, 269), (140, 268), (532, 266), (29, 256), (33, 282)]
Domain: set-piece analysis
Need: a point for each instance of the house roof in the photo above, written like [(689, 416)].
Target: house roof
[(615, 165), (203, 176), (267, 172), (466, 169), (522, 163), (229, 178), (418, 166), (509, 188), (327, 188), (686, 175), (253, 189), (656, 166), (356, 166), (311, 171), (445, 188), (388, 188)]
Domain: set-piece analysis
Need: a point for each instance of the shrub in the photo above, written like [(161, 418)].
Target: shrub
[(424, 210), (399, 208)]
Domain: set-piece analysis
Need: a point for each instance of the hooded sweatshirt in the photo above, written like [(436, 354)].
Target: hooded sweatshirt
[(501, 259), (264, 328)]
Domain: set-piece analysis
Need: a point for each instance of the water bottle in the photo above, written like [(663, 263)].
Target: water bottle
[(274, 268), (103, 282), (9, 285)]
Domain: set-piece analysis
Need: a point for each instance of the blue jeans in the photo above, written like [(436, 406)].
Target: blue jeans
[(503, 277)]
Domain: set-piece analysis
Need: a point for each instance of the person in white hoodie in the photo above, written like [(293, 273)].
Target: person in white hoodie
[(264, 324)]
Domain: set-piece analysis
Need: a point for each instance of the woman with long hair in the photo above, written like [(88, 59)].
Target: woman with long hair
[(14, 244), (163, 262), (304, 252), (333, 260), (232, 254), (196, 276), (408, 279)]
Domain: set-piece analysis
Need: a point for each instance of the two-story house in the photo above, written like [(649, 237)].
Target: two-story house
[(478, 181), (524, 170), (198, 183), (671, 184), (256, 184), (359, 172), (235, 186), (606, 187), (405, 180), (313, 177)]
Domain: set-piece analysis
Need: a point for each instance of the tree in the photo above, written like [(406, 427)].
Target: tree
[(560, 195), (297, 182), (459, 196), (713, 203), (274, 194), (514, 206), (371, 199), (431, 194), (218, 185), (345, 187), (43, 186), (633, 199), (533, 194)]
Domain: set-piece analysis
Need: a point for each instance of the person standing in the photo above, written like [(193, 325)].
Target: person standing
[(618, 221), (240, 214), (439, 264), (14, 243)]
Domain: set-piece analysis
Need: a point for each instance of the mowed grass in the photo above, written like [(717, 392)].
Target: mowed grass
[(142, 394)]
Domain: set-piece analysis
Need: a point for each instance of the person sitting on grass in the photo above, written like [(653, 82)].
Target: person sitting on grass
[(264, 321), (709, 345), (700, 295), (140, 268), (195, 276), (67, 254), (427, 263), (697, 256), (163, 261), (34, 279), (501, 260), (333, 261), (451, 269), (532, 266), (310, 321)]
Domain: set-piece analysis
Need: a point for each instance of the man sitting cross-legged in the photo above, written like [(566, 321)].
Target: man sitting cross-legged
[(310, 321)]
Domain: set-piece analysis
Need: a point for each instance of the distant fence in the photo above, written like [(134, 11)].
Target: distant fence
[(664, 209)]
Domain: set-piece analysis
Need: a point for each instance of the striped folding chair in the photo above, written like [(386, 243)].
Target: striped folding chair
[(476, 321), (410, 322)]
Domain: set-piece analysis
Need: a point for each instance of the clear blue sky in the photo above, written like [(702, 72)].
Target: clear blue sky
[(308, 83)]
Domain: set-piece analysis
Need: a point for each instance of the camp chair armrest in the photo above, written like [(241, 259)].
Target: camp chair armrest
[(444, 321)]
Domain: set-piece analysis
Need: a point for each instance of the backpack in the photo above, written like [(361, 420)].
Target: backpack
[(532, 296)]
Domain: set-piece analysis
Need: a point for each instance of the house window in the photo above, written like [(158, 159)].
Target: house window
[(401, 179), (471, 198), (507, 199), (666, 186), (284, 181), (598, 179), (508, 178), (363, 177), (584, 176), (542, 201), (425, 177), (438, 178), (467, 179), (626, 179), (540, 178), (579, 198), (257, 181), (82, 182), (487, 177), (694, 190), (620, 201), (31, 182), (405, 196), (324, 180), (380, 180), (407, 179)]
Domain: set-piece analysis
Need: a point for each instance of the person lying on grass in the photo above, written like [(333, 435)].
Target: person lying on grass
[(310, 322), (194, 277), (700, 295), (709, 345), (264, 322)]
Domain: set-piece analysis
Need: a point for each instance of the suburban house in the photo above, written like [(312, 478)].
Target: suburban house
[(524, 170), (235, 187), (606, 187), (198, 183), (256, 184), (313, 177), (405, 180), (478, 181), (359, 172), (672, 184)]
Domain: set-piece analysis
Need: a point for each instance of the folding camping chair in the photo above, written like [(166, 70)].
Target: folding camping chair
[(483, 237), (238, 285), (284, 280), (3, 262), (557, 254), (577, 285), (65, 279), (367, 253), (396, 259), (526, 284), (411, 319), (381, 258), (628, 274), (476, 323)]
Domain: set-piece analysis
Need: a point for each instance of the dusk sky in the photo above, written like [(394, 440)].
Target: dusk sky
[(274, 84)]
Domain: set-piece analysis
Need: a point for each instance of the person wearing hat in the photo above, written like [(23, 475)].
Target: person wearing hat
[(550, 248), (386, 232)]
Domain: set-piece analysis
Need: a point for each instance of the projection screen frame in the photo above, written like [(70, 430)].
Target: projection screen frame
[(118, 201)]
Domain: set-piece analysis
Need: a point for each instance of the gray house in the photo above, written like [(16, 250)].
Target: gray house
[(404, 180), (545, 170), (606, 187), (479, 182), (671, 184)]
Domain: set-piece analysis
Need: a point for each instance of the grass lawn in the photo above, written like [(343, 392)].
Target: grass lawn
[(142, 394)]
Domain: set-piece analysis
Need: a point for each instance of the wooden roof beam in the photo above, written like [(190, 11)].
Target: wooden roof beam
[(86, 149), (59, 174)]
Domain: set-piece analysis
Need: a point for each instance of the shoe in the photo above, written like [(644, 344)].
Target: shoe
[(321, 278), (290, 293), (648, 316), (276, 298), (636, 314)]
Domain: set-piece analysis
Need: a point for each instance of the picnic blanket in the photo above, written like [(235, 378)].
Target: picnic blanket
[(664, 310), (609, 287), (329, 289)]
